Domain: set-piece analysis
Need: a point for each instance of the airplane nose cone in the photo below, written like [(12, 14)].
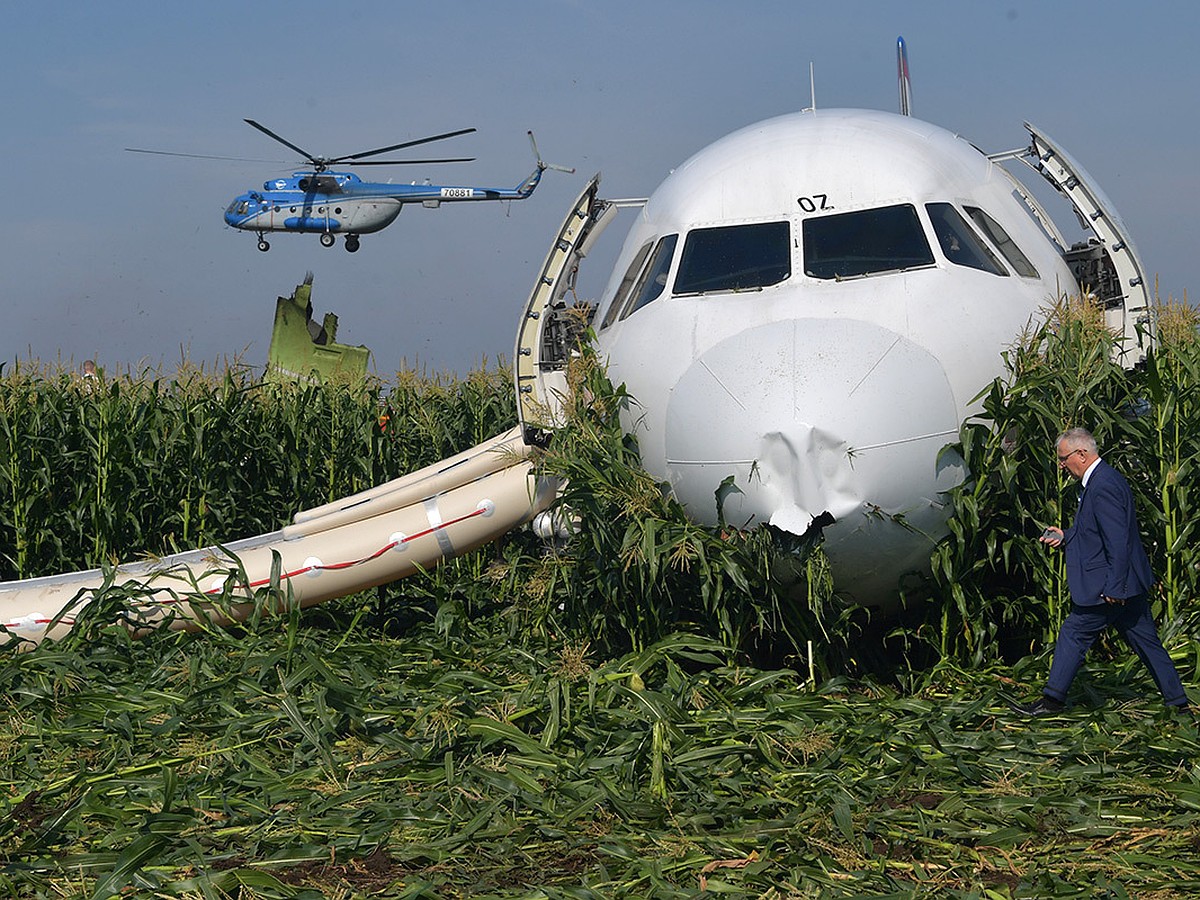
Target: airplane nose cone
[(812, 417)]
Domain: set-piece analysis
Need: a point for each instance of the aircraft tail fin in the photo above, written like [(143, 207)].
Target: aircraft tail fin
[(902, 75)]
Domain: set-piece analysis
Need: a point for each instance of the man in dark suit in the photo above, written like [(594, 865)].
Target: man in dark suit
[(1109, 577)]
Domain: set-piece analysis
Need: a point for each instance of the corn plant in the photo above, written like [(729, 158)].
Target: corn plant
[(638, 568), (1172, 382), (996, 580), (324, 759), (95, 470), (576, 722)]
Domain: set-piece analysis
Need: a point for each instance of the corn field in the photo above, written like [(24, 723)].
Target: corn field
[(994, 580), (95, 469), (635, 712)]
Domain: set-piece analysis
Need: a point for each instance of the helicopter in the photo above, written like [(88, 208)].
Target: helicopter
[(328, 202)]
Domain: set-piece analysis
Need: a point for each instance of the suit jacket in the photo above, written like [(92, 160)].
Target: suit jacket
[(1105, 556)]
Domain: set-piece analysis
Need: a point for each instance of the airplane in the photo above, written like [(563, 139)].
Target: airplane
[(327, 202), (809, 307)]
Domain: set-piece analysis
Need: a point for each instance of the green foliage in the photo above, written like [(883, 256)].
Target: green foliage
[(96, 470), (1172, 385), (522, 723), (996, 581), (334, 761), (92, 471), (637, 569)]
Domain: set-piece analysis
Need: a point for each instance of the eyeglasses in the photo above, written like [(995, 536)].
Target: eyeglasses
[(1062, 458)]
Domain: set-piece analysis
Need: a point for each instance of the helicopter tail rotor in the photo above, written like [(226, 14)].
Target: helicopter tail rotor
[(545, 165)]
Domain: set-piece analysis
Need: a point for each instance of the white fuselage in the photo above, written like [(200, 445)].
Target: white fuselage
[(789, 350)]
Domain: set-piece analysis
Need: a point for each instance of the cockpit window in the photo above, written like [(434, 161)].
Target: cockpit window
[(654, 278), (998, 236), (959, 241), (639, 260), (734, 258), (886, 239)]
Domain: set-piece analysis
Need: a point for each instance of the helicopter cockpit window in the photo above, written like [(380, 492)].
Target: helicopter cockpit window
[(998, 236), (887, 239), (626, 285), (959, 241), (654, 278), (734, 258)]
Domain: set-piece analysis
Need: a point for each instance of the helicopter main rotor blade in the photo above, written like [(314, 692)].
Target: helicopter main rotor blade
[(269, 133), (406, 162), (426, 140), (205, 156)]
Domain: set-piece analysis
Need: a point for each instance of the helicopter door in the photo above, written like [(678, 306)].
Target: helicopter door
[(1107, 265)]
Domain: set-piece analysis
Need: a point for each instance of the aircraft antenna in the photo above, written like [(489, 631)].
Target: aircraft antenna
[(812, 89), (902, 75)]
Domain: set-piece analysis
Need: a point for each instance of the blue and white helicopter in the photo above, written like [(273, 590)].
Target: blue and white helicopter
[(326, 202)]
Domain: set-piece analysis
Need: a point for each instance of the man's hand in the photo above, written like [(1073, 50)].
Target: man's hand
[(1113, 601), (1052, 536)]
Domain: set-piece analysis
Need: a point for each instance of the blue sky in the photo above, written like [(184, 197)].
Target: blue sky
[(125, 257)]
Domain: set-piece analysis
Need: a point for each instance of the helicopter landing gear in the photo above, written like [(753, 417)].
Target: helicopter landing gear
[(327, 239), (263, 245), (352, 243)]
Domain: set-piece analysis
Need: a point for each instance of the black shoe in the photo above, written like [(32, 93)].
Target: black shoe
[(1043, 706), (1183, 711)]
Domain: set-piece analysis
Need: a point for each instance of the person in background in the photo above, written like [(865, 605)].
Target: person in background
[(1109, 578)]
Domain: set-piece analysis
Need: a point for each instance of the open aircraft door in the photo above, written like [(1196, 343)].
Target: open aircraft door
[(549, 329), (1107, 264)]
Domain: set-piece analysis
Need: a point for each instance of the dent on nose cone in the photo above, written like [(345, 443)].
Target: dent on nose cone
[(813, 417)]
